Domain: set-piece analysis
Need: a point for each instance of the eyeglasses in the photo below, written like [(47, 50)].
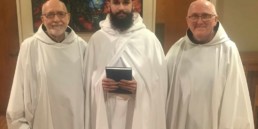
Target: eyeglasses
[(204, 17), (51, 15), (125, 2)]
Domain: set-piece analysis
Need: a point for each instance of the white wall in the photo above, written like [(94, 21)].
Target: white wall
[(240, 20)]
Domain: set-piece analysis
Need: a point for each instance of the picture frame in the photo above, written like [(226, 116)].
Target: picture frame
[(25, 18), (85, 15)]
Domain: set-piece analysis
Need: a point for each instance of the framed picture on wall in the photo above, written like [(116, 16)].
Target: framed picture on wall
[(85, 14)]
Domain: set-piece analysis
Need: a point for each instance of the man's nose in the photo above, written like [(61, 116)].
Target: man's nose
[(56, 18)]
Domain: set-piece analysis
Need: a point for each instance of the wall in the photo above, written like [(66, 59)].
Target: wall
[(238, 17), (9, 47), (171, 14), (240, 20), (25, 18)]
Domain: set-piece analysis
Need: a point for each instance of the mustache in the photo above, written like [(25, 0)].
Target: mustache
[(121, 12)]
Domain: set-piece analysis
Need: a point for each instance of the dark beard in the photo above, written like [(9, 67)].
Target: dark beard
[(121, 24)]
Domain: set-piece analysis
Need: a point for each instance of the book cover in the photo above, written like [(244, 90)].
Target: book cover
[(117, 74)]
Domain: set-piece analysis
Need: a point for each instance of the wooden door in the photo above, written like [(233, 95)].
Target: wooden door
[(171, 20), (9, 46)]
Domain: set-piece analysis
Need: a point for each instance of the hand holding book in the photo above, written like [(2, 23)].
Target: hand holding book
[(119, 80), (128, 85), (109, 85)]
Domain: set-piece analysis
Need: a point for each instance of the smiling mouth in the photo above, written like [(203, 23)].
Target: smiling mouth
[(200, 27), (57, 27)]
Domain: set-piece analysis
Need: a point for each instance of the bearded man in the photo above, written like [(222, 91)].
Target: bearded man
[(124, 41)]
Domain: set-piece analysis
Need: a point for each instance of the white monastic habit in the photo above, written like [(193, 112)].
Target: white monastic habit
[(207, 85), (47, 90), (138, 48)]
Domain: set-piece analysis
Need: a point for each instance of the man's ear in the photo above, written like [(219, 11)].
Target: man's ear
[(216, 18), (108, 4), (69, 16), (42, 18)]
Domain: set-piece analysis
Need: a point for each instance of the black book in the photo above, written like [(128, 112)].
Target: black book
[(117, 74)]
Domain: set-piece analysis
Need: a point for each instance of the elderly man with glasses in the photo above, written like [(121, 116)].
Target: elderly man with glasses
[(47, 90), (207, 84)]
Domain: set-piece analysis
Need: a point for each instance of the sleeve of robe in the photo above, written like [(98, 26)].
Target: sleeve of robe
[(236, 111), (15, 115)]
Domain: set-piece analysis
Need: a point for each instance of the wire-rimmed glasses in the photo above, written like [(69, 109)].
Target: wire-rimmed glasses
[(51, 15), (204, 17)]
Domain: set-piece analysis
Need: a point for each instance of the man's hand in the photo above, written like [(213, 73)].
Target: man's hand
[(109, 84), (129, 85)]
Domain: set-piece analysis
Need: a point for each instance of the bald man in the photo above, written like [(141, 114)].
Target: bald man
[(207, 84), (47, 90)]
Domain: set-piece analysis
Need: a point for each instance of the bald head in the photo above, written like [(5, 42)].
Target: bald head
[(50, 3), (55, 18), (203, 5), (201, 20)]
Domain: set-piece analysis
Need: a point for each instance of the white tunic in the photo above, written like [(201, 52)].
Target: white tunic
[(47, 90), (137, 48), (207, 85)]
